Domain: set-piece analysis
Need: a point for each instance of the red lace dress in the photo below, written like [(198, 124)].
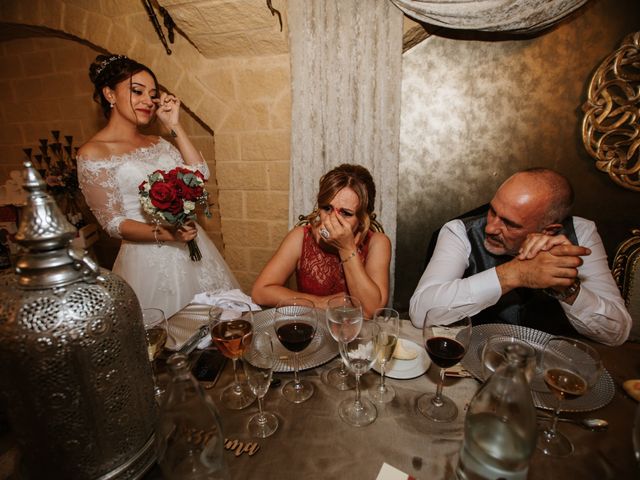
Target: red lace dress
[(320, 272)]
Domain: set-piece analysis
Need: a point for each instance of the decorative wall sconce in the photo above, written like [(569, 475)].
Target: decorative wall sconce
[(611, 124)]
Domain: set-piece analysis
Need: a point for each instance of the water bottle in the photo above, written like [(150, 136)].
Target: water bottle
[(189, 438), (500, 425)]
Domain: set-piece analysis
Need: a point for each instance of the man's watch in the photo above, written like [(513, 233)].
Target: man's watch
[(566, 293)]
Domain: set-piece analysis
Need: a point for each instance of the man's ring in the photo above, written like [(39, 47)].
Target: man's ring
[(324, 233)]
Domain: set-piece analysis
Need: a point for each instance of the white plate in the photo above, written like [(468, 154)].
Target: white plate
[(407, 369)]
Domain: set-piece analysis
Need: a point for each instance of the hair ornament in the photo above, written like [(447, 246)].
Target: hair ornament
[(105, 63)]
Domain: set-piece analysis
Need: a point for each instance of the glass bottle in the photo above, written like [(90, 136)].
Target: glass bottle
[(500, 425), (189, 438)]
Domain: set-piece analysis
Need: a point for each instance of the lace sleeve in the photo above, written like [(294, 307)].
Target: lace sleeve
[(98, 185), (201, 167)]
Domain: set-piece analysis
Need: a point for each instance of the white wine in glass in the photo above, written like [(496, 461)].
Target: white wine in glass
[(389, 322), (155, 329), (570, 368)]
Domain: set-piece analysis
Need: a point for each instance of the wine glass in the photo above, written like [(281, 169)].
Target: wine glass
[(258, 363), (155, 329), (389, 321), (231, 325), (446, 334), (570, 368), (295, 322), (360, 354), (344, 319), (494, 354)]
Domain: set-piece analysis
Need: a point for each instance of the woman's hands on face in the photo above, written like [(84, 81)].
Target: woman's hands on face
[(168, 109), (340, 234)]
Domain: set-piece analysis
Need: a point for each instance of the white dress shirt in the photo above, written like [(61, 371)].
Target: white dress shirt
[(598, 311)]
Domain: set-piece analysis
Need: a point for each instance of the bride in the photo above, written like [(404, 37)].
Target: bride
[(153, 259)]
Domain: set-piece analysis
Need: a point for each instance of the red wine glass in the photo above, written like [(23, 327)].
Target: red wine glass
[(295, 323), (570, 368), (446, 334)]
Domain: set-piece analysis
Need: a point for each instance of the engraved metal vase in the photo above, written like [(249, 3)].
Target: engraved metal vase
[(74, 371)]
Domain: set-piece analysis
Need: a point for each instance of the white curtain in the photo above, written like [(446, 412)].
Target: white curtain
[(346, 58), (524, 16)]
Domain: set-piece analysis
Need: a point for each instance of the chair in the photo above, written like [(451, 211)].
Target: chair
[(626, 272), (87, 236)]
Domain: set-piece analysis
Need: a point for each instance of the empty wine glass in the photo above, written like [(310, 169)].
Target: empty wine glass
[(155, 329), (570, 368), (494, 354), (231, 330), (446, 334), (258, 363), (344, 319), (360, 354), (389, 322), (295, 322)]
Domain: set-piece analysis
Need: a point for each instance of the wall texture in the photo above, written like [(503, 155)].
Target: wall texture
[(476, 110)]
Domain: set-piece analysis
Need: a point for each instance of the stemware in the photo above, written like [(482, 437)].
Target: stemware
[(231, 330), (360, 354), (295, 322), (446, 335), (389, 321), (494, 354), (344, 319), (155, 329), (570, 368), (258, 363)]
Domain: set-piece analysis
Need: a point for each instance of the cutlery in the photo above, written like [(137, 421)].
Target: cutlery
[(595, 424)]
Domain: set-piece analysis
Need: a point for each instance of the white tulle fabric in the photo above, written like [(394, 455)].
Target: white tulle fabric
[(162, 276)]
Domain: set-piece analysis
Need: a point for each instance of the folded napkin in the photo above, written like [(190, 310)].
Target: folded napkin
[(225, 299)]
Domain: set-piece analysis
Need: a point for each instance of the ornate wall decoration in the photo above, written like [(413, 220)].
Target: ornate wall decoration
[(611, 124)]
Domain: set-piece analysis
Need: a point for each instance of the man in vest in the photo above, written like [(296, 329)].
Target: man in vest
[(527, 262)]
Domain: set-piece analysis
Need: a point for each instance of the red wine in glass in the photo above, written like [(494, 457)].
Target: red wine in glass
[(295, 336), (444, 352)]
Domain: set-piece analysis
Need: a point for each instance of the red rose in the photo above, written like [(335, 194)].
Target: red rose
[(162, 195)]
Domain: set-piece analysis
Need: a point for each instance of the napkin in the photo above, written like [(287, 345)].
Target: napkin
[(387, 472), (184, 324), (222, 297)]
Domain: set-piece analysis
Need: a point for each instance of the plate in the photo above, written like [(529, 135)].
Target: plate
[(601, 394), (407, 369), (321, 349)]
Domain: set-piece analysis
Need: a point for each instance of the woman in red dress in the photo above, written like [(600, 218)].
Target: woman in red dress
[(337, 252)]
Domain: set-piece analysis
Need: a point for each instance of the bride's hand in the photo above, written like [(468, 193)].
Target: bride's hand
[(168, 109), (186, 232)]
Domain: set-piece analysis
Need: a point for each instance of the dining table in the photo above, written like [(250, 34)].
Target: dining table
[(312, 442)]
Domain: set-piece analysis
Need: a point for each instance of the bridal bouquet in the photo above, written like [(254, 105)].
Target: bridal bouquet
[(172, 197)]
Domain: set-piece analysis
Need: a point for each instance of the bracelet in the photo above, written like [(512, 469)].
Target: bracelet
[(568, 292), (353, 254), (159, 242)]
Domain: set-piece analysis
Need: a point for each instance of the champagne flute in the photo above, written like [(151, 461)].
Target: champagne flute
[(446, 334), (389, 321), (231, 325), (360, 354), (259, 361), (494, 354), (295, 322), (570, 368), (344, 319), (155, 329)]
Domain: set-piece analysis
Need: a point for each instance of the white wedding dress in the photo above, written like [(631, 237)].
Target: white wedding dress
[(162, 276)]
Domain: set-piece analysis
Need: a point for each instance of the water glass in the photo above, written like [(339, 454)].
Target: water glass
[(494, 354)]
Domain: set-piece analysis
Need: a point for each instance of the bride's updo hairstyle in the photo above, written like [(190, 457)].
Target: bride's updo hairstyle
[(358, 179), (108, 71)]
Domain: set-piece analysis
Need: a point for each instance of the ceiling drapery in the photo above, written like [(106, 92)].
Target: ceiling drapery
[(522, 16)]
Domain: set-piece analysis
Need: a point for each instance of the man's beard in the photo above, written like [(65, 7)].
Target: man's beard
[(495, 246)]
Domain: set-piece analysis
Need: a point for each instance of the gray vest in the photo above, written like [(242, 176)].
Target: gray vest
[(522, 306)]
